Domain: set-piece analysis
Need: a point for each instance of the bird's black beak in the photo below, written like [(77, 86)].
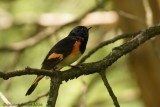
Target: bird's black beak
[(89, 28)]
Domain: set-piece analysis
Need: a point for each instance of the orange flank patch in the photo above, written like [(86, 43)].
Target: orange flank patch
[(76, 48), (55, 55)]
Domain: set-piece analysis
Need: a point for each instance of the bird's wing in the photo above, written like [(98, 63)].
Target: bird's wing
[(58, 52)]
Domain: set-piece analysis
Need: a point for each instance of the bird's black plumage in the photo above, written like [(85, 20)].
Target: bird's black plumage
[(66, 51)]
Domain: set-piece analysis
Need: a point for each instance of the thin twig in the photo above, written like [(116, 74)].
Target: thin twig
[(6, 102), (31, 101), (111, 93), (105, 43)]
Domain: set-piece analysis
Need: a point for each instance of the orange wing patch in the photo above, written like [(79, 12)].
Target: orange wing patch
[(76, 48), (55, 55)]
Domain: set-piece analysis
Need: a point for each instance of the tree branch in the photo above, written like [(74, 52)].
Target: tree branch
[(111, 93), (26, 71), (88, 68), (54, 89), (105, 43)]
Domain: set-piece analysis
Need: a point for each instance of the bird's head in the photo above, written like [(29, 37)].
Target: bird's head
[(80, 33)]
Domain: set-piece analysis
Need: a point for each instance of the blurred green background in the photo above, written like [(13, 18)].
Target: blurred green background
[(134, 77)]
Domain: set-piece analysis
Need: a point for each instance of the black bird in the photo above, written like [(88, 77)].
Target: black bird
[(64, 53)]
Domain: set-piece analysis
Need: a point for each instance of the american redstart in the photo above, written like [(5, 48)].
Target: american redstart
[(64, 53)]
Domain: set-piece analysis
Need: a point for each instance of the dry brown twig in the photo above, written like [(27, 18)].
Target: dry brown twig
[(108, 87)]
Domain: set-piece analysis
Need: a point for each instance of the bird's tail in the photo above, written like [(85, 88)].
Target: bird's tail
[(34, 84)]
